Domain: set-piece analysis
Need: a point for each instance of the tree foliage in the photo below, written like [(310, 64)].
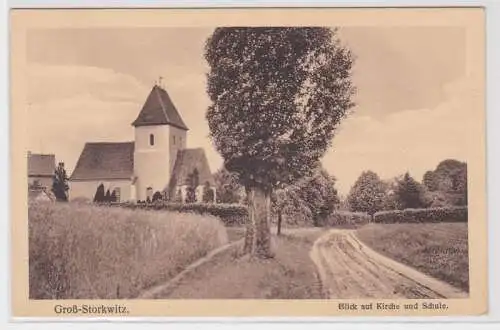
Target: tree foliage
[(320, 195), (113, 196), (107, 197), (410, 193), (390, 200), (277, 95), (309, 201), (430, 181), (157, 196), (193, 181), (447, 184), (99, 194), (208, 193), (60, 185), (227, 186), (368, 194)]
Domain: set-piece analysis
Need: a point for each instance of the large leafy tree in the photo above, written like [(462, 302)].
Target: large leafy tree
[(368, 194), (277, 95), (60, 185)]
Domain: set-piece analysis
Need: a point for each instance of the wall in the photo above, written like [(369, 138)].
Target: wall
[(44, 181), (151, 163), (177, 141), (87, 189)]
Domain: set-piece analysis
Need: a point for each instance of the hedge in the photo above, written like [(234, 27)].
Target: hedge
[(346, 219), (230, 214), (440, 214)]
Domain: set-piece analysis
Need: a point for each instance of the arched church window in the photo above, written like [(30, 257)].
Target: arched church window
[(173, 139), (151, 139)]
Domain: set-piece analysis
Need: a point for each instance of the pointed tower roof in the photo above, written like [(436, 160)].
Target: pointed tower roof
[(159, 110)]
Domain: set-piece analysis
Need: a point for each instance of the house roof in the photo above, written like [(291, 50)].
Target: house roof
[(185, 164), (41, 165), (159, 110), (105, 160)]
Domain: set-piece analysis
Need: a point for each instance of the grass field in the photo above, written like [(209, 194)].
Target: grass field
[(84, 251), (437, 249), (291, 274)]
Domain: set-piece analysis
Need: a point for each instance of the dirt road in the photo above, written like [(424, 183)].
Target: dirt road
[(350, 269)]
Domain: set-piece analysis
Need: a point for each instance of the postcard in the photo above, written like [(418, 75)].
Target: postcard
[(248, 162)]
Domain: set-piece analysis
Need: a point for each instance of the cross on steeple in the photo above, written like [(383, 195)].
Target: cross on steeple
[(160, 78)]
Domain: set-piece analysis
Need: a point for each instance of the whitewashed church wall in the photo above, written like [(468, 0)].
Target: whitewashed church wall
[(87, 189), (151, 161)]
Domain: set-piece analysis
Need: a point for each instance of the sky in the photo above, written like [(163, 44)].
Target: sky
[(413, 101)]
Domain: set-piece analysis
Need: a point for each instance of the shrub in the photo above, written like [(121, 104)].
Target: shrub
[(441, 214), (230, 214), (208, 194), (157, 196), (347, 219), (100, 195), (91, 252)]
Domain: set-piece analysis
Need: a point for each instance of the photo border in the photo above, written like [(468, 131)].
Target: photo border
[(21, 171)]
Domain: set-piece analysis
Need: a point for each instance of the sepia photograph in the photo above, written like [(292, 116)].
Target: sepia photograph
[(260, 161)]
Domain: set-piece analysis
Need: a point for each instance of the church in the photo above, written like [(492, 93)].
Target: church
[(156, 161)]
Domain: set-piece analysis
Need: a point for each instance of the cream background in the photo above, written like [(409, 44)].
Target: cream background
[(474, 146)]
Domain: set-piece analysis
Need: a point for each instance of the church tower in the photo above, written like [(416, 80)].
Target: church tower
[(160, 133)]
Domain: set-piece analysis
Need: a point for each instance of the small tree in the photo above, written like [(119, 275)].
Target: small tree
[(277, 96), (107, 197), (208, 193), (113, 196), (319, 193), (409, 193), (60, 185), (430, 181), (99, 194), (228, 187), (367, 194), (193, 181), (390, 199), (289, 207), (157, 196)]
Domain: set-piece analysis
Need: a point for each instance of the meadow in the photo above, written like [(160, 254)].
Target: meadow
[(436, 249), (79, 251)]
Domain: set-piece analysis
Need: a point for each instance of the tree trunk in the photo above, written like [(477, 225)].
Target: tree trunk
[(250, 228), (280, 218), (258, 230)]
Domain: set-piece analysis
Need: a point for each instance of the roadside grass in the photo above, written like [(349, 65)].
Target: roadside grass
[(291, 274), (436, 249), (235, 233), (79, 251)]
